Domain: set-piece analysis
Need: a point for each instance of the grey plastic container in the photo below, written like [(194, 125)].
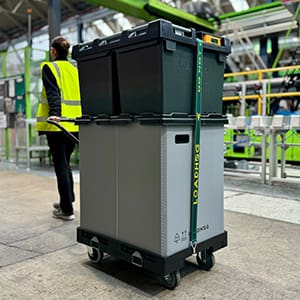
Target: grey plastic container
[(136, 184)]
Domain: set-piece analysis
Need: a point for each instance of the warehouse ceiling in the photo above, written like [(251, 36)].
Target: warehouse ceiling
[(14, 14)]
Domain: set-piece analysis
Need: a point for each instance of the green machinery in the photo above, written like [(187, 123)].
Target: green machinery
[(150, 10), (259, 96), (245, 144)]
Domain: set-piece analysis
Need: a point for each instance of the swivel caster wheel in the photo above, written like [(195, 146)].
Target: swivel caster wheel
[(205, 260), (171, 280), (95, 255)]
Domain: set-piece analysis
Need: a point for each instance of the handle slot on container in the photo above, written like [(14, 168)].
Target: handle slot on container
[(136, 259), (181, 31), (182, 139)]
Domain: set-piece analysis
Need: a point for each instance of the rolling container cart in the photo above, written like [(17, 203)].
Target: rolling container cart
[(150, 192)]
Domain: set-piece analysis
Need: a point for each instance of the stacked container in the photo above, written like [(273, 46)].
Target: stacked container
[(136, 145)]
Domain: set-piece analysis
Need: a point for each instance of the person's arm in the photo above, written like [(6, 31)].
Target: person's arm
[(52, 92)]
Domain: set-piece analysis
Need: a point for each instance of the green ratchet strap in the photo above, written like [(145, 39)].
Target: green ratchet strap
[(196, 150)]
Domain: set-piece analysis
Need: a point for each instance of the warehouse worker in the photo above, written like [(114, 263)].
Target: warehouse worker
[(60, 98)]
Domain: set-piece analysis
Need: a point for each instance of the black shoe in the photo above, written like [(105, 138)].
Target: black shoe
[(58, 213)]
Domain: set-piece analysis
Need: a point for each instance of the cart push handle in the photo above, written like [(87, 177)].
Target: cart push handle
[(65, 131)]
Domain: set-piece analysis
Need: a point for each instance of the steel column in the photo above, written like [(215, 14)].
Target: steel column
[(54, 18)]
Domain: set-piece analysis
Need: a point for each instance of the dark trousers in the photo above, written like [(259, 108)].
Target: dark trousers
[(61, 148)]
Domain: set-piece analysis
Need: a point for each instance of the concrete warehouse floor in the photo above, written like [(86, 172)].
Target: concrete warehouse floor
[(40, 258)]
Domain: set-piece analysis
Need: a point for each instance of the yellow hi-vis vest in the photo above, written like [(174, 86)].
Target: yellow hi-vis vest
[(66, 76)]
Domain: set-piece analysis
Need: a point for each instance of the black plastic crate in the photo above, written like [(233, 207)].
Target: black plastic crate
[(150, 69), (96, 85), (97, 76), (157, 78)]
